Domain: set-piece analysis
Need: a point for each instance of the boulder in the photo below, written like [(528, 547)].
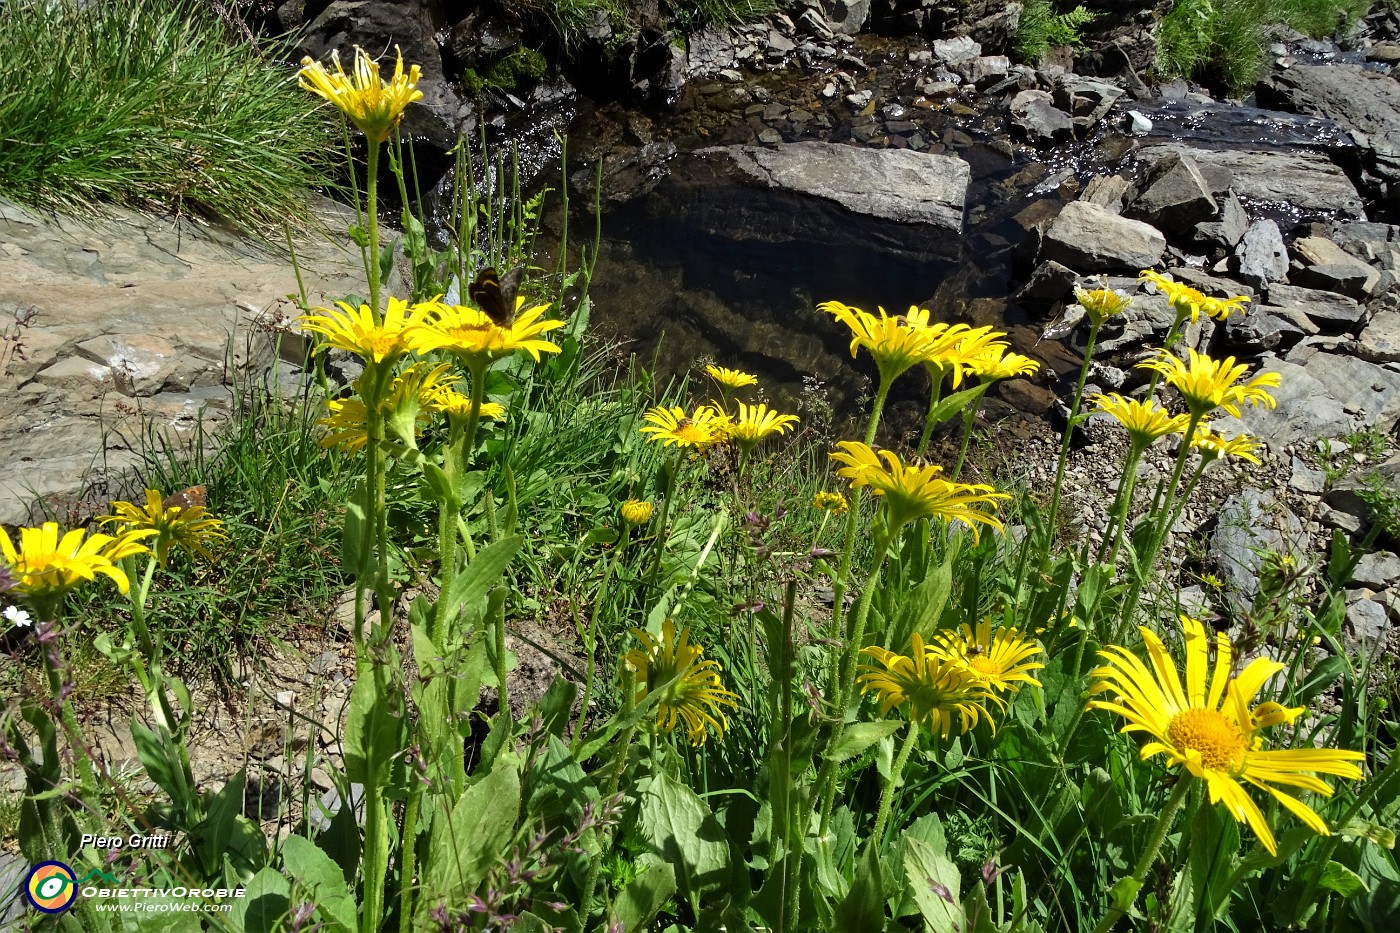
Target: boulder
[(1037, 120), (1252, 523), (1320, 394), (1379, 341), (1174, 196), (1327, 309), (1377, 570), (1265, 328), (956, 50), (1307, 180), (1048, 283), (1087, 100), (1368, 624), (1263, 257), (1229, 229), (1088, 238), (1327, 266), (846, 17), (1107, 192)]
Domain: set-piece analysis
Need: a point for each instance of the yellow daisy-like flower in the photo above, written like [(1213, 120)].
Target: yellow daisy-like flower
[(832, 502), (1190, 302), (45, 566), (941, 694), (691, 690), (705, 426), (1222, 308), (416, 392), (957, 347), (996, 363), (730, 378), (1144, 420), (913, 492), (1101, 303), (1211, 729), (459, 407), (756, 422), (1208, 384), (347, 425), (469, 333), (188, 527), (897, 343), (636, 511), (374, 105), (1000, 660), (1213, 446), (356, 330)]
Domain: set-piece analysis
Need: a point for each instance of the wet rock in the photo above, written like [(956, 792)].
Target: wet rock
[(814, 24), (709, 51), (1087, 100), (984, 71), (1263, 257), (1036, 119), (1307, 180), (1107, 192), (1088, 238), (956, 50), (1377, 570), (846, 17), (1379, 342), (1328, 266), (1252, 523), (1136, 123), (1174, 196), (628, 173), (1325, 308), (1048, 283), (1321, 394)]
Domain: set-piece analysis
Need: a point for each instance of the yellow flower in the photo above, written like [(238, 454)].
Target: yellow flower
[(356, 330), (730, 378), (706, 426), (188, 527), (897, 343), (1214, 446), (832, 502), (45, 566), (347, 424), (374, 105), (955, 347), (469, 333), (940, 693), (417, 391), (756, 422), (997, 363), (459, 407), (1190, 302), (1211, 729), (1221, 308), (1144, 420), (1101, 303), (913, 492), (691, 690), (1208, 384), (1000, 660), (636, 511)]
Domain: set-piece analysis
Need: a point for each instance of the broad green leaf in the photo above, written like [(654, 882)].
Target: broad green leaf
[(863, 908), (464, 848), (682, 830), (1215, 843), (225, 830), (1337, 877), (354, 557), (265, 901), (934, 882), (955, 403), (860, 736), (470, 587), (644, 896), (371, 732), (162, 763), (322, 880)]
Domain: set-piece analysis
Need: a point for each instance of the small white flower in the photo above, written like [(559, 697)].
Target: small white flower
[(17, 616)]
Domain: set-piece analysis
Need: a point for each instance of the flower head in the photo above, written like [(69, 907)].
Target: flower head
[(636, 511), (347, 424), (1190, 302), (358, 331), (913, 492), (46, 566), (188, 526), (691, 690), (473, 337), (730, 378), (756, 422), (832, 502), (16, 617), (1144, 420), (1208, 384), (897, 343), (996, 363), (374, 105), (458, 407), (1211, 728), (957, 348), (1101, 303), (1001, 660), (1213, 446), (705, 426), (941, 694)]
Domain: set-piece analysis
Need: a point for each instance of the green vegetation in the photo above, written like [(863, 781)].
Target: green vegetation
[(1225, 40), (1042, 29), (150, 104)]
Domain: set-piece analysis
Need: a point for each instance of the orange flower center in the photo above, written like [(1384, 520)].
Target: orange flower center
[(984, 666), (1216, 739)]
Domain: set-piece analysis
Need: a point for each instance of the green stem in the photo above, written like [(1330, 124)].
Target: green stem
[(935, 392), (591, 645), (969, 418), (911, 739), (372, 221), (1125, 891), (663, 527), (1123, 502), (1069, 432), (408, 859)]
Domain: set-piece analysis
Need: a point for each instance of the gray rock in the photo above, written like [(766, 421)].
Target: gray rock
[(1137, 124), (1325, 308), (1346, 494), (814, 24), (892, 184), (1251, 524), (1367, 621), (1048, 283), (984, 71), (1263, 329), (1317, 396), (1174, 195), (709, 51), (1036, 119), (1345, 278), (1377, 570), (1307, 180), (957, 49), (1379, 341), (1230, 229), (1087, 100), (1088, 238), (1304, 478), (1262, 255), (1107, 192)]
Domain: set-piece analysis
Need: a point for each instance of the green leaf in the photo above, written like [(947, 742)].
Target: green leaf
[(265, 901), (863, 908), (470, 587), (323, 881), (226, 831), (934, 882), (1337, 877), (354, 559), (463, 848), (372, 732), (860, 736), (644, 895), (161, 760), (1322, 677), (1215, 842), (955, 403), (681, 829)]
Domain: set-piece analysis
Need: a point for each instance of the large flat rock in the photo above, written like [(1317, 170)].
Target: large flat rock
[(1306, 179)]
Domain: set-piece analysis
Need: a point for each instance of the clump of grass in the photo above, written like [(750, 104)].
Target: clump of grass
[(153, 105), (1042, 29)]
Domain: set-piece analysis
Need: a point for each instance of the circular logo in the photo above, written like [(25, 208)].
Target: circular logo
[(51, 887)]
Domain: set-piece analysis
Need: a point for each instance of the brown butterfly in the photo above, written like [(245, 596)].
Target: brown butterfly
[(495, 294), (186, 499)]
